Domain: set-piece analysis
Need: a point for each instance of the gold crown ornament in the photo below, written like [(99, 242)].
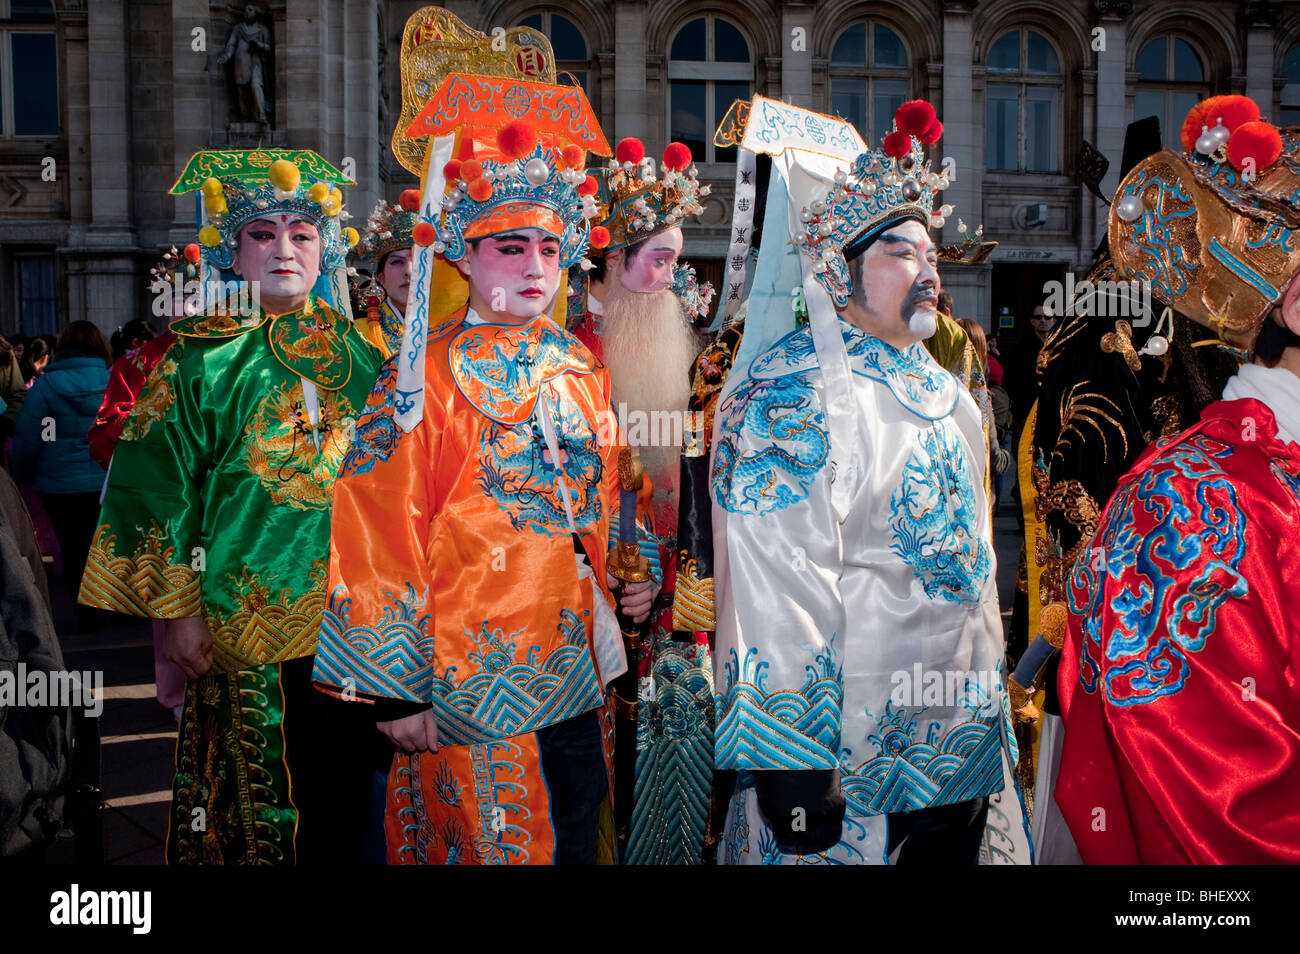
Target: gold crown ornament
[(638, 202), (883, 187), (388, 228), (1212, 229)]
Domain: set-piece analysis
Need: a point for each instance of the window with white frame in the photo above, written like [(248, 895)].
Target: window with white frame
[(869, 77), (29, 77), (709, 68), (1022, 104), (572, 54), (1171, 80)]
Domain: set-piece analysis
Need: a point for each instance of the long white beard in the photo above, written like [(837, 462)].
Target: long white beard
[(650, 351)]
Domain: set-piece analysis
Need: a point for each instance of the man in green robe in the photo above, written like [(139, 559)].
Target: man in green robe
[(217, 519)]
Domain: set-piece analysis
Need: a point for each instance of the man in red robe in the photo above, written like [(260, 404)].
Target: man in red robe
[(1178, 673)]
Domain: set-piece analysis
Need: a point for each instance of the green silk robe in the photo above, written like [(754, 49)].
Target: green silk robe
[(220, 489)]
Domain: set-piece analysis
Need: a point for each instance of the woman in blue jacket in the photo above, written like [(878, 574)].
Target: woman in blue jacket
[(51, 441)]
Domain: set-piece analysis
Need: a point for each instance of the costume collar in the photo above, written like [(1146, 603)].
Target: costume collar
[(311, 344), (594, 306), (498, 368), (1277, 389), (911, 375)]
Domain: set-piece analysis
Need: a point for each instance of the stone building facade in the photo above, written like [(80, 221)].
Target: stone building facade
[(104, 101)]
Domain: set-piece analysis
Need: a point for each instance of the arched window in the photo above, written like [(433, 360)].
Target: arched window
[(869, 75), (569, 45), (1023, 104), (1171, 80), (1291, 91), (708, 69), (29, 77)]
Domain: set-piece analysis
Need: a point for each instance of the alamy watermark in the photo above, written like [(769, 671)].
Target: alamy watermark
[(1106, 299), (233, 298), (647, 428), (59, 688), (949, 688)]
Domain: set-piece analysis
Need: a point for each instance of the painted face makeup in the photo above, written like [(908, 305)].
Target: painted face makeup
[(282, 253), (897, 297), (513, 276), (651, 269), (396, 278)]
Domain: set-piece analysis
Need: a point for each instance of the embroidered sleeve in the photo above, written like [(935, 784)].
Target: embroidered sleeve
[(377, 637), (779, 614), (147, 551)]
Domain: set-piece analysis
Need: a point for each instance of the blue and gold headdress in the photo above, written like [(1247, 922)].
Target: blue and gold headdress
[(883, 187)]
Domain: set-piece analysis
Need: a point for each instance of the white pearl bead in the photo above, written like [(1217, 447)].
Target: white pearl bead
[(1156, 345), (537, 171), (1129, 208), (805, 216), (1205, 144)]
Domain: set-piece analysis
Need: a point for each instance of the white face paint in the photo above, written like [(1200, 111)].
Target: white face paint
[(897, 296)]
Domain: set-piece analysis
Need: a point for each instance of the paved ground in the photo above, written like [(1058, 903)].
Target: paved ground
[(139, 735)]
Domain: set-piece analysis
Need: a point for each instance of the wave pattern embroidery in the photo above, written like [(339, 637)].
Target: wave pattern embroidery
[(906, 774), (783, 729), (508, 697)]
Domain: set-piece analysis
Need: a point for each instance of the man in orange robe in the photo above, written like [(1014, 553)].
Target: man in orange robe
[(467, 566)]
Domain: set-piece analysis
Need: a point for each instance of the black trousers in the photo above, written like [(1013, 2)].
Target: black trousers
[(946, 835), (328, 746), (573, 762)]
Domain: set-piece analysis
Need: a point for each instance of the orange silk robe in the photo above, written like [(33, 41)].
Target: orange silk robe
[(453, 582)]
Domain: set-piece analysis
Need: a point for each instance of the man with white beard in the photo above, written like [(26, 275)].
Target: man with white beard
[(636, 325)]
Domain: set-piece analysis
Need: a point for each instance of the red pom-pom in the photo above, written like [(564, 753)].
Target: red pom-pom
[(192, 252), (933, 134), (574, 156), (423, 234), (480, 190), (914, 117), (1233, 111), (470, 170), (517, 139), (588, 186), (451, 171), (677, 156), (1256, 140), (599, 236), (409, 199), (897, 144), (630, 150)]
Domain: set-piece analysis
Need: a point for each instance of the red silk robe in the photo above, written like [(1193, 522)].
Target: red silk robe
[(125, 380), (1180, 673)]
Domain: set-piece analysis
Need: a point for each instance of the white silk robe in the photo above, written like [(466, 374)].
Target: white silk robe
[(874, 644)]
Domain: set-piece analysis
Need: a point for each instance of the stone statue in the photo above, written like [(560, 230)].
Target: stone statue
[(248, 46)]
